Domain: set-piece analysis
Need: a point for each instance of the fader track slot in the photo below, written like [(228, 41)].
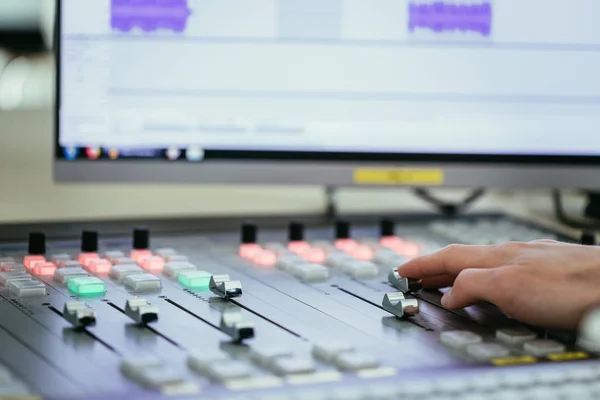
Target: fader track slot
[(86, 332), (266, 319)]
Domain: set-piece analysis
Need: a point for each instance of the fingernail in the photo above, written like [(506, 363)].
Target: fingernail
[(446, 298)]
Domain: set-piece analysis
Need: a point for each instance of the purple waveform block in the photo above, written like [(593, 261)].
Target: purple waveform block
[(441, 17), (149, 15)]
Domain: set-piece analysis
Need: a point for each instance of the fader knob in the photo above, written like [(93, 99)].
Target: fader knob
[(342, 230), (37, 243), (296, 232), (387, 228), (141, 239), (249, 233), (89, 241), (588, 238)]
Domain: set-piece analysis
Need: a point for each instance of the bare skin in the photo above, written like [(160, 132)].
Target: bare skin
[(543, 283)]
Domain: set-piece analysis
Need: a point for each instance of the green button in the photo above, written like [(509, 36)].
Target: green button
[(195, 280), (87, 286)]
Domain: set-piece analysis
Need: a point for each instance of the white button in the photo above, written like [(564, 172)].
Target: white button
[(487, 351), (265, 356), (132, 367), (352, 361), (201, 360), (287, 263), (276, 247), (56, 258), (459, 339), (389, 258), (327, 351), (360, 269), (157, 377), (114, 255), (293, 365), (515, 336), (68, 264), (29, 288), (176, 258), (166, 252), (63, 275), (542, 347), (142, 282), (227, 371), (338, 258), (120, 272), (124, 261), (8, 277), (310, 273), (173, 269)]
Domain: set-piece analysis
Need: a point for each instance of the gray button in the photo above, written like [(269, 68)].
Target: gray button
[(265, 356), (543, 347), (124, 261), (142, 282), (157, 377), (288, 262), (29, 288), (133, 367), (8, 277), (165, 252), (173, 269), (355, 361), (201, 361), (338, 258), (327, 351), (56, 258), (114, 255), (515, 336), (63, 275), (222, 372), (487, 351), (292, 365), (176, 258), (360, 269), (310, 273), (120, 272), (68, 264), (459, 339)]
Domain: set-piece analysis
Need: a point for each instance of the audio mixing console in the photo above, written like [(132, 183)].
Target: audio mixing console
[(277, 311)]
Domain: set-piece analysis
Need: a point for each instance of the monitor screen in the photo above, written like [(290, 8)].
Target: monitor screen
[(346, 81)]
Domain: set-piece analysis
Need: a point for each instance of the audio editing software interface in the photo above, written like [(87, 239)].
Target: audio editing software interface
[(398, 76)]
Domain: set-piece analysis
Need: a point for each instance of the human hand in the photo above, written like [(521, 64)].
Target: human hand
[(544, 283)]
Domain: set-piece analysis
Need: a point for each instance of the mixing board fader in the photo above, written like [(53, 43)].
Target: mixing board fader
[(273, 310)]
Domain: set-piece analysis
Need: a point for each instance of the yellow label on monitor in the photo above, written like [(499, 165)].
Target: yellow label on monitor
[(398, 176), (578, 355), (508, 361)]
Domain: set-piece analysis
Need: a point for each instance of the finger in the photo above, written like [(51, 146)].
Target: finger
[(453, 259), (472, 286), (437, 282)]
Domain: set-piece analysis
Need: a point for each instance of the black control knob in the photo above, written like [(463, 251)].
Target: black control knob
[(296, 232), (342, 230), (89, 241), (387, 228), (37, 243), (249, 233), (141, 239), (588, 238)]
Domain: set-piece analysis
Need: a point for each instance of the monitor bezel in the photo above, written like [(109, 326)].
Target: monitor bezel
[(534, 169)]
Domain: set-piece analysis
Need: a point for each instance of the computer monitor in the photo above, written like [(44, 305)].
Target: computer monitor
[(334, 92)]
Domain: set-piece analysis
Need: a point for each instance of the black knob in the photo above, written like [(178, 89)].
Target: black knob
[(249, 233), (342, 230), (141, 239), (588, 238), (296, 232), (89, 241), (37, 243), (387, 228)]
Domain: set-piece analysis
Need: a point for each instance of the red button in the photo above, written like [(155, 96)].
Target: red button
[(85, 258), (30, 261), (139, 255), (99, 266), (153, 264), (44, 269)]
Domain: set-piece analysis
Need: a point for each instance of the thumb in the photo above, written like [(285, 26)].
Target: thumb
[(471, 286)]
